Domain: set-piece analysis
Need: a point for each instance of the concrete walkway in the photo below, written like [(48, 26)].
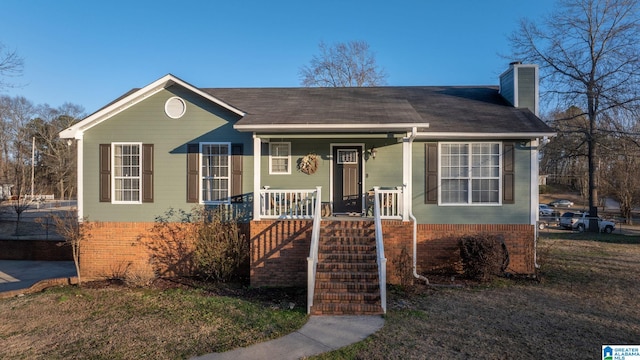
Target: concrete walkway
[(320, 334)]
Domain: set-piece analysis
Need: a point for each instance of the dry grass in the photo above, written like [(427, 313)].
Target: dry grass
[(589, 295), (116, 322)]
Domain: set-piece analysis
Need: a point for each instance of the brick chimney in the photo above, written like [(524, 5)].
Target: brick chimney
[(519, 86)]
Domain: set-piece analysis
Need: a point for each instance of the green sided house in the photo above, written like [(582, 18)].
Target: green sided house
[(342, 188)]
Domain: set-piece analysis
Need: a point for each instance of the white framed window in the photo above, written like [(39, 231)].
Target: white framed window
[(470, 173), (215, 172), (127, 173), (280, 158), (347, 156)]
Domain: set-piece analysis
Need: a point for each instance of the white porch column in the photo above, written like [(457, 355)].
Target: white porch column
[(257, 155), (534, 182), (406, 177)]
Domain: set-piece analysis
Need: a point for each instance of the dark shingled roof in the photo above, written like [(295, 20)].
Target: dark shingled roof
[(472, 109)]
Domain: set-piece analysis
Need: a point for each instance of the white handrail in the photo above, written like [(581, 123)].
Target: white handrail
[(382, 261), (287, 203), (389, 202), (312, 260)]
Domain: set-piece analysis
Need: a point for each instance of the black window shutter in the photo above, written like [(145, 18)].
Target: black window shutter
[(236, 172), (508, 173), (431, 173), (147, 173), (105, 172), (192, 173)]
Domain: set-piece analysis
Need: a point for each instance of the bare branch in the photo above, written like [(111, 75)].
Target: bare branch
[(11, 65), (343, 65)]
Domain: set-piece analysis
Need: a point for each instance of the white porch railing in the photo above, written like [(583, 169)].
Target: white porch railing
[(289, 204), (312, 260), (389, 202), (382, 260)]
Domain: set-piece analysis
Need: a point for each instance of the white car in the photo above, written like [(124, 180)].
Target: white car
[(545, 210)]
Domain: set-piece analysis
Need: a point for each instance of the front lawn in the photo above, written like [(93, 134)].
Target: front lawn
[(107, 321), (588, 295)]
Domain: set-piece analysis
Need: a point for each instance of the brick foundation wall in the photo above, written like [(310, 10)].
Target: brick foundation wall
[(279, 249), (437, 246), (115, 249), (43, 250), (139, 250)]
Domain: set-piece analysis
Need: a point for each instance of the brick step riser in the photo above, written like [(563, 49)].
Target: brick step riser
[(348, 241), (338, 298), (346, 277), (346, 309), (346, 287), (348, 258), (341, 267), (346, 249), (347, 233)]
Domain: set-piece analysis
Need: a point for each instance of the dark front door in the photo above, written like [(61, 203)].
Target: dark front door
[(347, 179)]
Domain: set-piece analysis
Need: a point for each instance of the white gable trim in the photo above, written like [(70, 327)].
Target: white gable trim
[(349, 127), (480, 135), (77, 130)]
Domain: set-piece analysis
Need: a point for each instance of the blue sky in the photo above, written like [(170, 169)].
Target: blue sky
[(91, 52)]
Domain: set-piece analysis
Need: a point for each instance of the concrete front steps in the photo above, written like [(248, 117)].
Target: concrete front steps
[(347, 274)]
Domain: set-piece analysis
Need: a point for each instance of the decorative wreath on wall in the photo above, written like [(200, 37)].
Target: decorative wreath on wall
[(308, 164)]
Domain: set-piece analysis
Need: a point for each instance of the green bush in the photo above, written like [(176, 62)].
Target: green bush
[(483, 256)]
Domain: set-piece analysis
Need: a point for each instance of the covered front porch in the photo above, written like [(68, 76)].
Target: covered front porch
[(329, 233), (344, 173)]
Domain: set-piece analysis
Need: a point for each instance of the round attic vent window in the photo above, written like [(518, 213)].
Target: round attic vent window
[(175, 107)]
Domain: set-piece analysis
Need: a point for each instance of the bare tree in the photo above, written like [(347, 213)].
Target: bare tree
[(589, 58), (343, 65), (565, 158), (11, 65), (622, 180), (16, 113), (56, 161), (74, 231)]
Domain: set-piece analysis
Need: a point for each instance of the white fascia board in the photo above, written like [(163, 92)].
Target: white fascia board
[(207, 96), (329, 127), (76, 131), (468, 135)]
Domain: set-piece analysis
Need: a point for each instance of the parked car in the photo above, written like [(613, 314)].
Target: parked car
[(580, 222), (545, 210), (561, 203)]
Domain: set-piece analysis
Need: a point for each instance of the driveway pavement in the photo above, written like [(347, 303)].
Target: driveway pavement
[(22, 274)]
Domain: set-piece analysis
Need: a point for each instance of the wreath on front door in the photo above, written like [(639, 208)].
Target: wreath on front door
[(308, 164)]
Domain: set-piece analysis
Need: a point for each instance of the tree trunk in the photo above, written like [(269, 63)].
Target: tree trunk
[(593, 162)]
